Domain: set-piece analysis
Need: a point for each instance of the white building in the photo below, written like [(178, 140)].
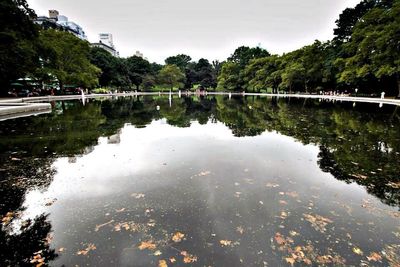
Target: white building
[(61, 22), (106, 43), (106, 38)]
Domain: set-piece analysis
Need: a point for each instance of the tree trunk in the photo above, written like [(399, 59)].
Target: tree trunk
[(61, 86), (398, 86)]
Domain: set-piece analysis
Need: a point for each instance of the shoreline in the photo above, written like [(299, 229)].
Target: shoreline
[(27, 106)]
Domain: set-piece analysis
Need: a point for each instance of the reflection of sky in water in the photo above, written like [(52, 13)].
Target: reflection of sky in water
[(165, 163)]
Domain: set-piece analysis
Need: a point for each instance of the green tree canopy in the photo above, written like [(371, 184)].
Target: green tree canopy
[(138, 67), (374, 48), (18, 39), (244, 54), (171, 76), (66, 58), (180, 60)]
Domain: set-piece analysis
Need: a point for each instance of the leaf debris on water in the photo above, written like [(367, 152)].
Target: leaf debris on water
[(188, 258), (318, 222), (85, 251), (177, 237), (162, 263), (147, 245), (98, 226)]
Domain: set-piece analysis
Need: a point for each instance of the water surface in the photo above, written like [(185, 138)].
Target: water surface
[(194, 181)]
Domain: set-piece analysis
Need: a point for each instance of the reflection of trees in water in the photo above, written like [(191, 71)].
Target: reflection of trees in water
[(356, 144), (18, 250)]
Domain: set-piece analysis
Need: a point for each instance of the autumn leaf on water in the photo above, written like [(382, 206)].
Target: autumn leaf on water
[(188, 258), (293, 233), (147, 245), (50, 202), (172, 259), (162, 263), (358, 251), (272, 185), (359, 176), (98, 226), (280, 239), (8, 218), (204, 173), (37, 258), (85, 251), (282, 202), (137, 195), (157, 253), (61, 250), (292, 194), (177, 237), (318, 222), (120, 210), (374, 257), (291, 261), (225, 243), (240, 230)]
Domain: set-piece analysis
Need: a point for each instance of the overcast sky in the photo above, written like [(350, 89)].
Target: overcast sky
[(208, 28)]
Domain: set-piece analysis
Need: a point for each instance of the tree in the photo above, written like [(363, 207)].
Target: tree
[(205, 73), (107, 63), (66, 58), (263, 72), (181, 61), (138, 67), (18, 39), (350, 16), (171, 76), (374, 48), (293, 76), (244, 54), (229, 78)]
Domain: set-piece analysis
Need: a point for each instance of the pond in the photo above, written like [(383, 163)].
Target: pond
[(201, 181)]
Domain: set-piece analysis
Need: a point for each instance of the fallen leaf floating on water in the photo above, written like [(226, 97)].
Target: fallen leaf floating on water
[(359, 176), (374, 257), (280, 240), (61, 250), (318, 222), (272, 185), (188, 258), (101, 225), (172, 259), (157, 253), (225, 243), (394, 185), (147, 245), (7, 218), (137, 195), (120, 210), (50, 202), (358, 251), (38, 258), (177, 237), (282, 202), (85, 251), (283, 215), (291, 261), (204, 173), (240, 230), (292, 194), (293, 233), (162, 263)]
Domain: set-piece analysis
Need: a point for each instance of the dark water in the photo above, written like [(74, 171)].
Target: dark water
[(201, 182)]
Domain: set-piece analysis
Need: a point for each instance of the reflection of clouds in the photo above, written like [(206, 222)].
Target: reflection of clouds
[(132, 164)]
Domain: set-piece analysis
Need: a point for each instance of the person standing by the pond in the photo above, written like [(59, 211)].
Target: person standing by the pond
[(382, 95)]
